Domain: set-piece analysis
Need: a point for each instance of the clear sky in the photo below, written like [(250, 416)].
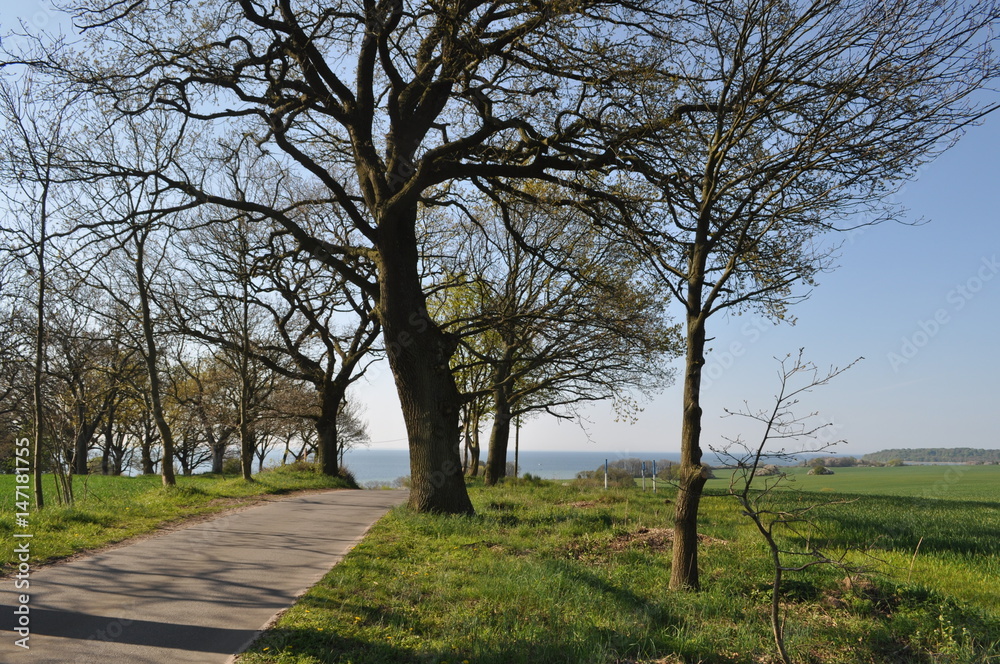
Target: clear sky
[(921, 304)]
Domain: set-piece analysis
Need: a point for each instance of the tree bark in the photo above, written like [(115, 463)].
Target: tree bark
[(146, 451), (419, 353), (496, 461), (109, 440), (476, 447), (247, 445), (84, 436), (684, 566), (162, 426), (218, 456), (684, 570), (39, 363), (328, 439), (471, 434), (248, 442)]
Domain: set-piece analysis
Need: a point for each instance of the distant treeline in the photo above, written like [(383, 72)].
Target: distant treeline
[(832, 462), (936, 455)]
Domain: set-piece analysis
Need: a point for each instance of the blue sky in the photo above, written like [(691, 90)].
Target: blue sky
[(921, 304)]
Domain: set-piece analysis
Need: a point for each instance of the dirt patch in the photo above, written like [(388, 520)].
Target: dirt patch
[(582, 504), (648, 539), (655, 539)]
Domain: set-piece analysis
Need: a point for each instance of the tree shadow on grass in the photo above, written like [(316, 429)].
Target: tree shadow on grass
[(644, 636)]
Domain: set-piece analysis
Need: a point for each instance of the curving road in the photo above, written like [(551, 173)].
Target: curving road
[(197, 595)]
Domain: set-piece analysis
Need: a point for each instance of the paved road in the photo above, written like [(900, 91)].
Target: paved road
[(194, 595)]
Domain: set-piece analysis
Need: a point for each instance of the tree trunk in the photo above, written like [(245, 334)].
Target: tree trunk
[(419, 353), (84, 436), (218, 454), (146, 449), (118, 458), (466, 419), (477, 447), (39, 363), (247, 445), (327, 441), (82, 442), (517, 445), (109, 439), (162, 426), (496, 461), (472, 439), (684, 569)]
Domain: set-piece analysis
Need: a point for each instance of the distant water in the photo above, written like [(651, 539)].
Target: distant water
[(386, 465)]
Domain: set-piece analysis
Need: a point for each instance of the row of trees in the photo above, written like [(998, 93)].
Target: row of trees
[(935, 455), (91, 321), (185, 331), (616, 151)]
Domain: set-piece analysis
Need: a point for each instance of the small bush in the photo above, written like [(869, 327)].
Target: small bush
[(525, 480), (767, 470), (617, 477), (669, 472), (348, 477), (300, 466)]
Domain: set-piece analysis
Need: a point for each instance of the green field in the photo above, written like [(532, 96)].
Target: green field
[(959, 482), (560, 572), (555, 572)]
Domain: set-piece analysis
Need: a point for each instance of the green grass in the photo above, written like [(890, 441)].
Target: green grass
[(111, 509), (553, 573), (972, 483)]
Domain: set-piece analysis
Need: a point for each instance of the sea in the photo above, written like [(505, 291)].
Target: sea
[(385, 466)]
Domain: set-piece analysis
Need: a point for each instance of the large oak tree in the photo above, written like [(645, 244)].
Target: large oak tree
[(377, 101)]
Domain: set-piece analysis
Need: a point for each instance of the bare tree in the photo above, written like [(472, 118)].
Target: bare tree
[(199, 389), (83, 382), (308, 324), (34, 145), (776, 524), (778, 122), (225, 288)]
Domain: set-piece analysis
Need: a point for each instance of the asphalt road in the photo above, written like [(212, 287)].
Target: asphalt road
[(198, 595)]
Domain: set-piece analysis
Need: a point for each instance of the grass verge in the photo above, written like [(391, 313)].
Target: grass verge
[(111, 509), (553, 573)]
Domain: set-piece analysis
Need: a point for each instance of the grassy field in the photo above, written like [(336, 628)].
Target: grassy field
[(111, 509), (559, 572), (555, 573), (971, 483)]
